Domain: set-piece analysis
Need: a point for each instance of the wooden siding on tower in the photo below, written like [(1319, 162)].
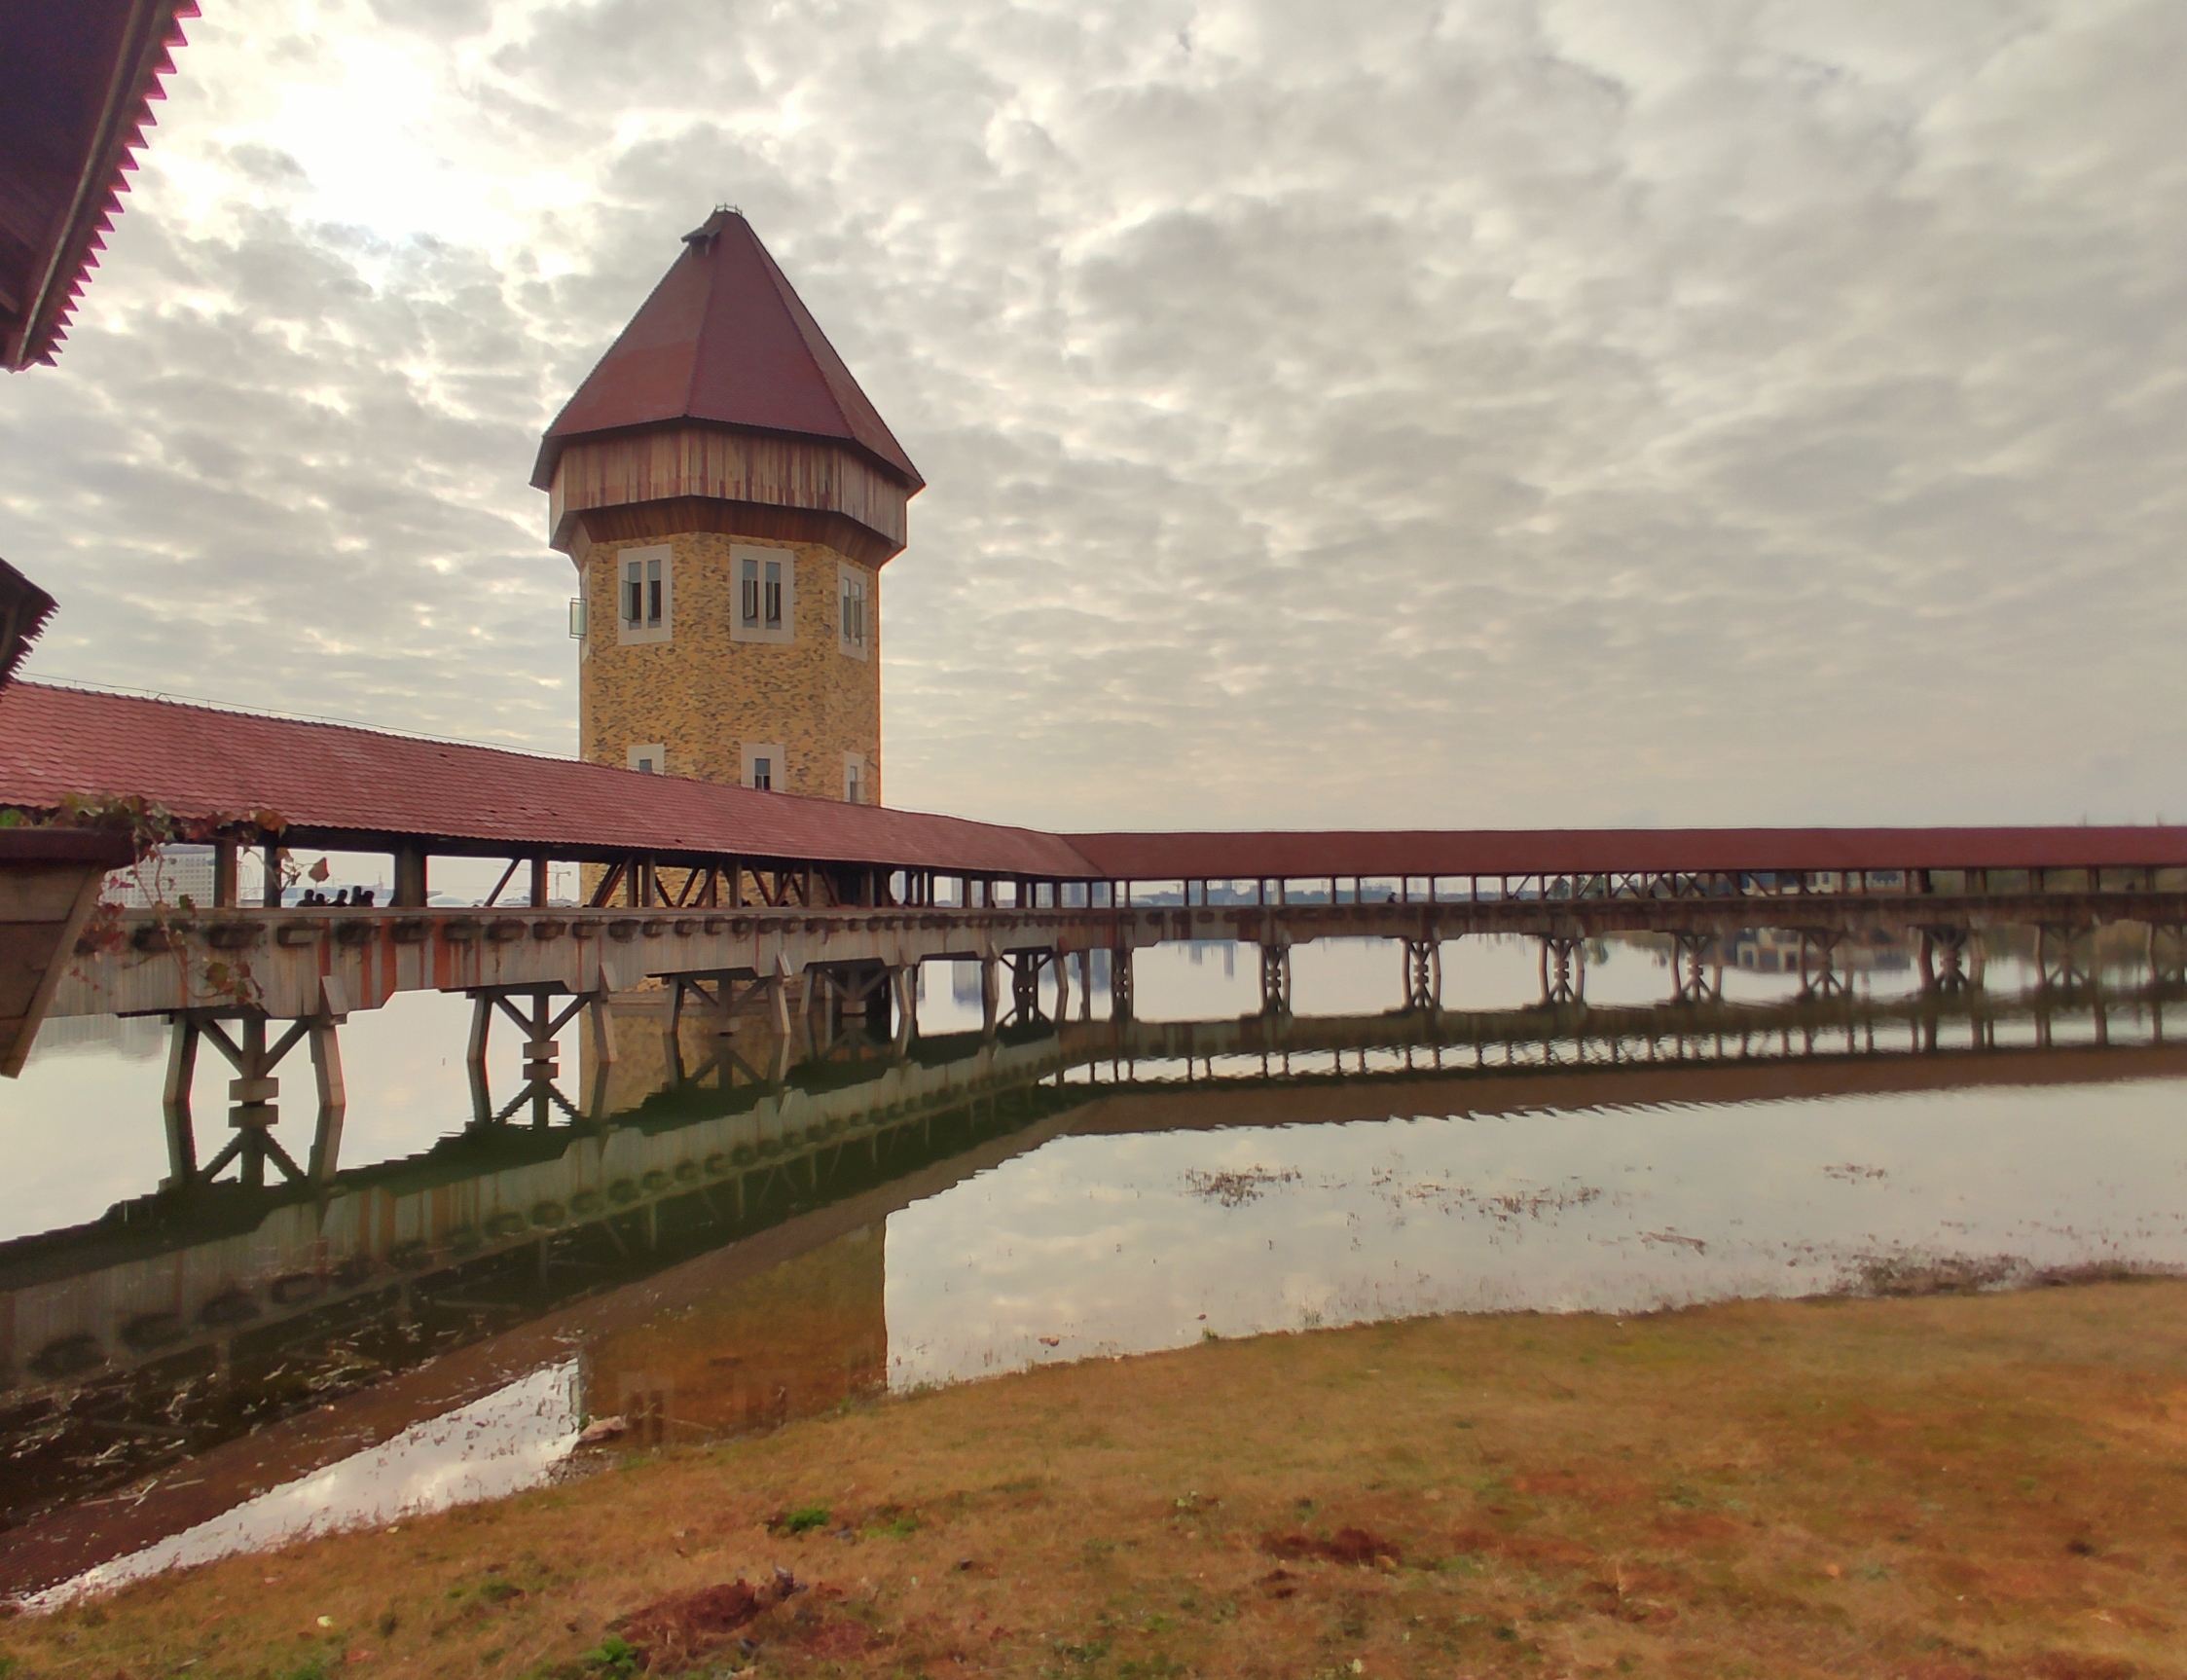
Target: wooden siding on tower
[(685, 460)]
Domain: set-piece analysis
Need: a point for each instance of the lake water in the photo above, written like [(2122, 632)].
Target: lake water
[(700, 1248)]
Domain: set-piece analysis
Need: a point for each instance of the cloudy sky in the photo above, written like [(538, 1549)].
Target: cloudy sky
[(1508, 412)]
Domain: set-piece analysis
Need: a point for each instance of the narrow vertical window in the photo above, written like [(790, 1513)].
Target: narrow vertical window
[(645, 598), (763, 775), (854, 779), (853, 621), (766, 603)]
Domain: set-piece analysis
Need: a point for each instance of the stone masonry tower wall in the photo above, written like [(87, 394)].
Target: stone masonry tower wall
[(807, 704), (729, 497)]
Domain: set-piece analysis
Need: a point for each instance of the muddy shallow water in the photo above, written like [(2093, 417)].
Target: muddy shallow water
[(699, 1249)]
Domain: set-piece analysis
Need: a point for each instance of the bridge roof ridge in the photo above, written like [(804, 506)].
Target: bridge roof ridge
[(329, 780), (1316, 854)]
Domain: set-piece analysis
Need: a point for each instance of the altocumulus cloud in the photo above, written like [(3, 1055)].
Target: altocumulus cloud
[(1485, 414)]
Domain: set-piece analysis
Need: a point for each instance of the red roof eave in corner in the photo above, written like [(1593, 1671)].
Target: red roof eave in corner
[(106, 123)]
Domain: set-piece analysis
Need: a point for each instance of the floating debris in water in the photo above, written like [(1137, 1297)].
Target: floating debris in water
[(1234, 1188)]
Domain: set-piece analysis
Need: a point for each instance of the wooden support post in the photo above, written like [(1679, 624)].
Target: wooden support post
[(410, 877), (175, 1098), (334, 1101), (223, 872), (1062, 988), (989, 989), (270, 892), (474, 1058), (538, 883), (903, 988), (603, 1030)]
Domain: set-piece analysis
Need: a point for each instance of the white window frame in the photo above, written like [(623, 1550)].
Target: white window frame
[(857, 780), (627, 631), (654, 752), (853, 583), (761, 557), (778, 764)]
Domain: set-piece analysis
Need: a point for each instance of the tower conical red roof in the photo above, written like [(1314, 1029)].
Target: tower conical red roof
[(723, 338)]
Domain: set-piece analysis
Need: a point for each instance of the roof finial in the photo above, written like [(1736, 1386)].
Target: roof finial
[(703, 237)]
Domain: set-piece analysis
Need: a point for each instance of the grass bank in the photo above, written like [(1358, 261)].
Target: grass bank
[(1939, 1487)]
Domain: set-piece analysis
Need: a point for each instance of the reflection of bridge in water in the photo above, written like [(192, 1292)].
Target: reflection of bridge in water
[(180, 1324)]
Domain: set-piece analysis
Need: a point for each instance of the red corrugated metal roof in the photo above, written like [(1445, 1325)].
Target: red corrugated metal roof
[(724, 338), (75, 84), (1316, 856), (328, 780)]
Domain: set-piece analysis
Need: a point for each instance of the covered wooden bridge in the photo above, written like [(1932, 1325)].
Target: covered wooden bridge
[(720, 892)]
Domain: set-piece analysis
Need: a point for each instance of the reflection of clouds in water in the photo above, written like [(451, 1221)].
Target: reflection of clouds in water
[(1118, 1244), (507, 1441)]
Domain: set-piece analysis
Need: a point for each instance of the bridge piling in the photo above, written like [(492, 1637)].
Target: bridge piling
[(253, 1098), (1563, 969), (1690, 979), (1423, 975), (1818, 963)]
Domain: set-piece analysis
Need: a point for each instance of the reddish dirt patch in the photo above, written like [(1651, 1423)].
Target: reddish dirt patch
[(1346, 1546), (671, 1632), (1279, 1583), (2072, 1666), (1570, 1484), (828, 1638), (1537, 1548), (1697, 1527)]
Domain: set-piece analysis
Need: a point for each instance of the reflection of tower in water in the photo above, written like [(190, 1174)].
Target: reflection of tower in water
[(789, 1341)]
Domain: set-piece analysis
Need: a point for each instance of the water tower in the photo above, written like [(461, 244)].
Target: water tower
[(729, 497)]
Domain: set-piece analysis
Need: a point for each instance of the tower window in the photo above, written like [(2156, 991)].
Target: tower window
[(852, 618), (652, 758), (766, 606), (766, 766), (645, 595), (856, 789)]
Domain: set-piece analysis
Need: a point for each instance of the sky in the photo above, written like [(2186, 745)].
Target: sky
[(1506, 414)]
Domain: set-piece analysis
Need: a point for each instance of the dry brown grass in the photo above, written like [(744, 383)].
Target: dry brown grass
[(1933, 1487)]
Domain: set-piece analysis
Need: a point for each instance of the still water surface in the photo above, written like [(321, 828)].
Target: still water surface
[(707, 1251)]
